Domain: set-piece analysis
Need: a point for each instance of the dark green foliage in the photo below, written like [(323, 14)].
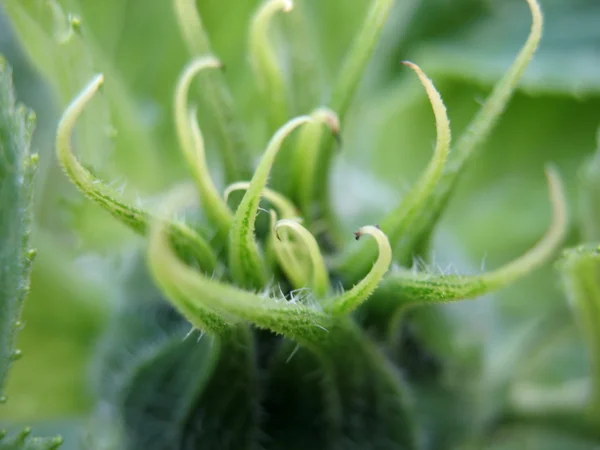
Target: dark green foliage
[(171, 387)]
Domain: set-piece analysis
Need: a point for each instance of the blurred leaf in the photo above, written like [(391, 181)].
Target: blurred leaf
[(589, 197), (17, 172), (568, 61), (23, 441), (63, 317), (69, 58), (580, 270), (534, 438)]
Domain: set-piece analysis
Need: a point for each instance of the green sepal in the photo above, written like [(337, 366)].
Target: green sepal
[(346, 394), (406, 287), (234, 150), (164, 384), (348, 301), (268, 71), (181, 395), (319, 282), (293, 404), (359, 55), (398, 222), (416, 241), (191, 142), (245, 258), (189, 241), (349, 76), (299, 319)]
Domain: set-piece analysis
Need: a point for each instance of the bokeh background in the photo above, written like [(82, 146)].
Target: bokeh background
[(500, 209)]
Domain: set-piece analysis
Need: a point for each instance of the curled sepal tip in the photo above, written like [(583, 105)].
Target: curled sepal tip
[(264, 60), (414, 288), (290, 259), (344, 90), (97, 191), (416, 241), (291, 319), (307, 164), (320, 277), (352, 299), (245, 260), (398, 222), (285, 207), (192, 144)]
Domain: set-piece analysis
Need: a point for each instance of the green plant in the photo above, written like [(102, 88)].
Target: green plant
[(299, 337), (17, 172)]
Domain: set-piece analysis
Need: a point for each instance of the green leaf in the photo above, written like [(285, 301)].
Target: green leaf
[(580, 269), (344, 89), (191, 141), (17, 172), (24, 441), (65, 290)]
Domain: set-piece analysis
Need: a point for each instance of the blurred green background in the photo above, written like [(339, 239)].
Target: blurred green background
[(499, 211)]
